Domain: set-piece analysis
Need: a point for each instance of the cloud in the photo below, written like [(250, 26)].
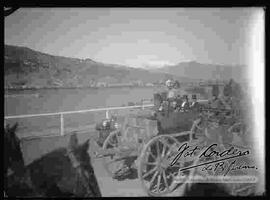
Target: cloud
[(159, 63)]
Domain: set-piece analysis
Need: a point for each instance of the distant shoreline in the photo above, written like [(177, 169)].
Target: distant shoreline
[(83, 87)]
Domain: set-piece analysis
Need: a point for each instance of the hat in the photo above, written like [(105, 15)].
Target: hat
[(169, 83), (176, 84)]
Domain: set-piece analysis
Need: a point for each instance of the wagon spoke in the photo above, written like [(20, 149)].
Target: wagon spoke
[(158, 150), (165, 180), (171, 152), (158, 182), (165, 143), (169, 148), (168, 152), (153, 178), (150, 153), (150, 163), (150, 172), (163, 150)]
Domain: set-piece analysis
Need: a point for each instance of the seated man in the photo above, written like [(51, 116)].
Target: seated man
[(214, 108), (177, 96), (194, 105), (158, 99), (104, 128), (220, 107), (185, 104), (214, 102), (178, 103)]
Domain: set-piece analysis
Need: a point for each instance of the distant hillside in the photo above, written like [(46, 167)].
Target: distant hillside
[(24, 66), (197, 70)]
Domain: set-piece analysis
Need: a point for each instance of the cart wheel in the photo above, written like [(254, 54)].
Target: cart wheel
[(155, 172), (112, 163)]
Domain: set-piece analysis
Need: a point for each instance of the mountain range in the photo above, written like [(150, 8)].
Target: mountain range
[(26, 67), (196, 70)]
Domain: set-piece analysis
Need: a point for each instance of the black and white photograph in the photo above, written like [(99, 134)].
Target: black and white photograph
[(134, 101)]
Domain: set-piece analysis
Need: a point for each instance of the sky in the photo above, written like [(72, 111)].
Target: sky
[(137, 37)]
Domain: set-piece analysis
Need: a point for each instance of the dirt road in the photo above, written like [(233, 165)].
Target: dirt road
[(33, 149)]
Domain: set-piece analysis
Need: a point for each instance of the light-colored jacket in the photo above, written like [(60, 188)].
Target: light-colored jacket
[(173, 93)]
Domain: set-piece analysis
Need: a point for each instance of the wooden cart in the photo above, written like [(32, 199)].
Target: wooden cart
[(150, 144)]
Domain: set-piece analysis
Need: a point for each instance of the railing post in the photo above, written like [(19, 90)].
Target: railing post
[(107, 114), (62, 124)]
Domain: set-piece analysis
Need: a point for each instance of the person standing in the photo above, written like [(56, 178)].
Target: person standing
[(171, 89), (177, 96), (170, 95)]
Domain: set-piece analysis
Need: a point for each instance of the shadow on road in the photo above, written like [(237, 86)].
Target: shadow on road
[(130, 174)]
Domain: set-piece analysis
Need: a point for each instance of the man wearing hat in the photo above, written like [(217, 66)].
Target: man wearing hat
[(171, 90), (185, 104), (215, 102), (194, 104), (171, 95), (225, 99)]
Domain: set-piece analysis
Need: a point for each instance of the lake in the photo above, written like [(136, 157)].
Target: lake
[(57, 100), (19, 102)]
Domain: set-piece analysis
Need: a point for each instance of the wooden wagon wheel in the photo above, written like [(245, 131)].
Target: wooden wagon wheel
[(112, 162), (155, 172)]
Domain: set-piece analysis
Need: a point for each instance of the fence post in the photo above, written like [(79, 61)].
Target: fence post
[(107, 114), (62, 124)]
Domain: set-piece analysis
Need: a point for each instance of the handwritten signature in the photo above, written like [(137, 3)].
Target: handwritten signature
[(215, 164), (226, 168)]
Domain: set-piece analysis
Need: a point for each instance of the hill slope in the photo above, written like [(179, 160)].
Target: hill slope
[(24, 66), (195, 70)]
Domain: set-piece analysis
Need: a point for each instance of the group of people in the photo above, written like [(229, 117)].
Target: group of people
[(227, 100), (175, 99), (227, 105)]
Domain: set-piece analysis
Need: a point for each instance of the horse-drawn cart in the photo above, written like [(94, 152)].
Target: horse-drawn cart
[(147, 143), (150, 143), (138, 144)]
